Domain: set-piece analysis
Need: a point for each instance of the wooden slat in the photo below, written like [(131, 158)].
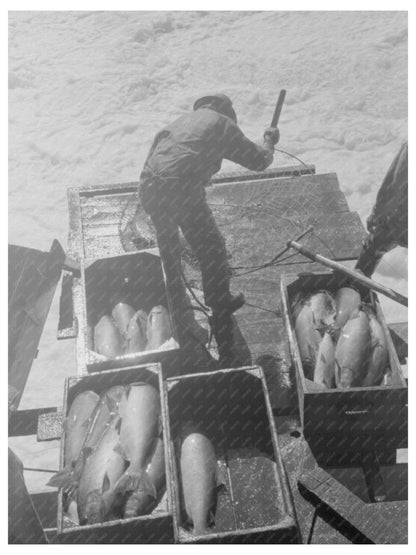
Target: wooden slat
[(377, 526), (28, 308), (67, 321), (25, 422), (247, 175), (250, 191), (255, 242)]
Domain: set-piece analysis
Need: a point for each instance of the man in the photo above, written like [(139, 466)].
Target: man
[(181, 162), (388, 222)]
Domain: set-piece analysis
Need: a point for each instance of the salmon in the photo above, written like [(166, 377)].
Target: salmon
[(353, 351), (324, 373), (75, 428), (101, 471), (72, 512), (159, 329), (379, 354), (122, 314), (107, 338), (141, 502), (105, 410), (323, 309), (347, 301), (199, 480), (108, 408), (308, 338), (139, 429), (137, 333)]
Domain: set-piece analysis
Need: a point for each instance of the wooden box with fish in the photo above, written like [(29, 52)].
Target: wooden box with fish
[(229, 482), (351, 389), (125, 312), (114, 483)]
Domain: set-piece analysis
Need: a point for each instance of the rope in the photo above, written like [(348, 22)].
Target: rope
[(275, 312), (203, 308), (294, 157), (326, 245), (264, 266)]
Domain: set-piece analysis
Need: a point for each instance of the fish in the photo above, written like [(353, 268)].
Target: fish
[(75, 427), (102, 469), (141, 502), (353, 351), (105, 410), (122, 314), (72, 511), (107, 338), (379, 353), (323, 309), (137, 333), (324, 373), (347, 301), (308, 338), (199, 473), (108, 408), (140, 427), (159, 329)]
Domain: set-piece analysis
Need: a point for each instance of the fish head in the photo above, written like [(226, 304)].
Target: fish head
[(95, 509)]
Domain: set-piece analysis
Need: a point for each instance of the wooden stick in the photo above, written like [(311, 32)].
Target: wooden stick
[(278, 109), (355, 276)]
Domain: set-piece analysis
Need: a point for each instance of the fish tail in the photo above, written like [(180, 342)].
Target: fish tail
[(95, 508), (201, 530), (136, 481), (64, 479), (131, 508)]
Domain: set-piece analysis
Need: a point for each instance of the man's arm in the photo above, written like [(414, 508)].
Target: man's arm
[(392, 195), (241, 150)]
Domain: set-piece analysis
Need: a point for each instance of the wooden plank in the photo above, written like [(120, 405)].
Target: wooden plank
[(25, 422), (28, 308), (250, 192), (247, 175), (377, 526), (75, 248), (254, 242), (67, 322)]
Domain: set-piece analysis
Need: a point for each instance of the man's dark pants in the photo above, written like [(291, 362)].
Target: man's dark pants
[(193, 216)]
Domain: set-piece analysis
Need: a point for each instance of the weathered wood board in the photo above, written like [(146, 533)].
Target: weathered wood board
[(33, 276)]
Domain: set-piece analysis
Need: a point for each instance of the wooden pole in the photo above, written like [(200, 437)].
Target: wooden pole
[(355, 276), (278, 109)]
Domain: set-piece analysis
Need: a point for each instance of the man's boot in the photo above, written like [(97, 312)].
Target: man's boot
[(229, 305)]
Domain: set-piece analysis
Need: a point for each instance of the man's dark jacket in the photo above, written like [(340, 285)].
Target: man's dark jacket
[(185, 155)]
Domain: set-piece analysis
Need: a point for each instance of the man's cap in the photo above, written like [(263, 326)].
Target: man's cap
[(219, 102)]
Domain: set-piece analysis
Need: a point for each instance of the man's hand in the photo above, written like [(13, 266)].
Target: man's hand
[(272, 134), (371, 222)]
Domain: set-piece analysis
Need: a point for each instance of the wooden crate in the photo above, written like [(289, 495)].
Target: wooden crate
[(136, 279), (156, 527), (344, 421), (232, 408)]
